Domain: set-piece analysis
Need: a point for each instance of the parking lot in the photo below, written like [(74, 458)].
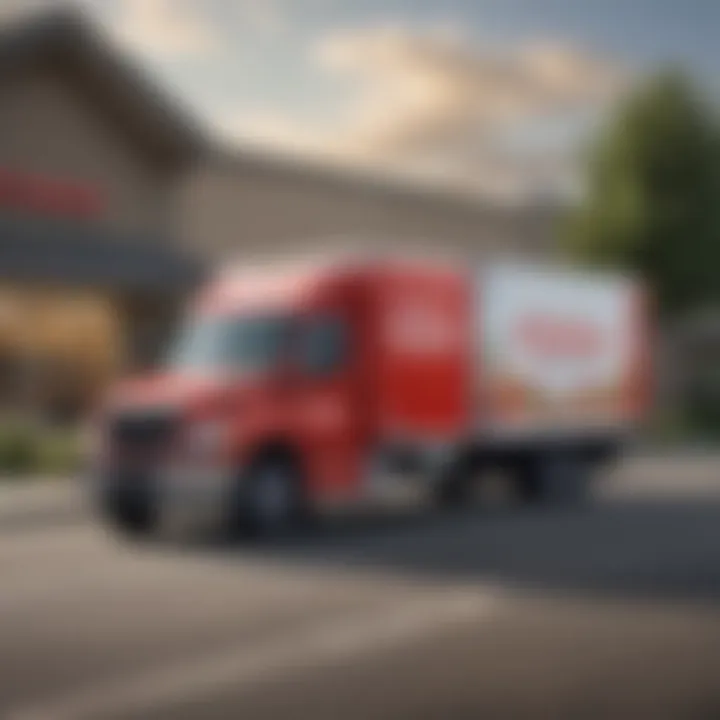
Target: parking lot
[(609, 611)]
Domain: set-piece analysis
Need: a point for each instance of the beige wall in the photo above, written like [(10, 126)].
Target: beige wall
[(236, 211), (49, 125)]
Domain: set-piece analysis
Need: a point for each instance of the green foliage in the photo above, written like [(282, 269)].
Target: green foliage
[(653, 203), (17, 449), (702, 403), (29, 450), (670, 429), (58, 453)]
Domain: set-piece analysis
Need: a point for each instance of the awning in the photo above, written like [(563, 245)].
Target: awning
[(74, 253)]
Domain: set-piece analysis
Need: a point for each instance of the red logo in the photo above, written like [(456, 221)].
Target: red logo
[(423, 329), (553, 337), (41, 195)]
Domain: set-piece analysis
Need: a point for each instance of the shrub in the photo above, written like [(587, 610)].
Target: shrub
[(26, 449), (58, 452), (18, 454)]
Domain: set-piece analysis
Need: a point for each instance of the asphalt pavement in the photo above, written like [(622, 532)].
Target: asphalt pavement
[(611, 611)]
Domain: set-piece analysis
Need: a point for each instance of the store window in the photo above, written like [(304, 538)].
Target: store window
[(58, 349)]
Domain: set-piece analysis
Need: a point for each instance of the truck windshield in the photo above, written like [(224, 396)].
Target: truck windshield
[(230, 343)]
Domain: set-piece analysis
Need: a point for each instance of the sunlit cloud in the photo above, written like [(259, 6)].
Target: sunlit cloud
[(167, 27), (435, 102)]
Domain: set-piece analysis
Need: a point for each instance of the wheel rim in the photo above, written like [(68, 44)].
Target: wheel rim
[(272, 498)]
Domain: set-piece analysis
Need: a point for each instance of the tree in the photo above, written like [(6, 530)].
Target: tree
[(653, 200)]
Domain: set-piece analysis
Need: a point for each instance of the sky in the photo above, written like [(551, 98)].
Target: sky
[(494, 95)]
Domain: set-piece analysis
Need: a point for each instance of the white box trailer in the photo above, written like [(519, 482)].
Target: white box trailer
[(558, 352)]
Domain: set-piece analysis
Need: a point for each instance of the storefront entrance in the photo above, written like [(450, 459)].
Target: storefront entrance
[(78, 306), (58, 348)]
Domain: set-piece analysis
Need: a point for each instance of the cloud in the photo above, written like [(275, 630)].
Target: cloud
[(166, 27), (264, 16), (419, 91), (270, 128), (435, 102)]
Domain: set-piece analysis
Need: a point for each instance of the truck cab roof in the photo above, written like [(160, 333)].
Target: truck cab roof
[(293, 284)]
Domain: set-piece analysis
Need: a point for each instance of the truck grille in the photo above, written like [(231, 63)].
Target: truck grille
[(145, 433)]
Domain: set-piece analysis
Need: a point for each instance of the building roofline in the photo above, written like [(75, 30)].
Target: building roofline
[(338, 177), (66, 34)]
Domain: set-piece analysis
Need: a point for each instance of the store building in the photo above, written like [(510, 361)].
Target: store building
[(243, 203), (114, 204), (91, 162)]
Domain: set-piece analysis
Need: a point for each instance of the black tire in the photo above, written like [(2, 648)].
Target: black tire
[(135, 518), (262, 512), (452, 488), (559, 479)]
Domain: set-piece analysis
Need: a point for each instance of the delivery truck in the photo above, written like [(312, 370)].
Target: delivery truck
[(295, 388)]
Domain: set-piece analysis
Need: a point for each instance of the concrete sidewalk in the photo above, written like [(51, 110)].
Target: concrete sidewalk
[(38, 502)]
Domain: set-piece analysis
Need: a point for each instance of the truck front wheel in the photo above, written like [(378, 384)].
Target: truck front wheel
[(270, 501), (134, 517)]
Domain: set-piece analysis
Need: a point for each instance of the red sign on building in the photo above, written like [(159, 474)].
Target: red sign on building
[(41, 195)]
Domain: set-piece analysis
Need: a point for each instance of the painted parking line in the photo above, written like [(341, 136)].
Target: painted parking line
[(243, 666)]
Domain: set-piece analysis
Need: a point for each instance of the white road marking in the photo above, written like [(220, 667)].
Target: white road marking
[(244, 665)]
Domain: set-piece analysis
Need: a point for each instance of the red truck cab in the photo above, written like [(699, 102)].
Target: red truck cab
[(279, 383)]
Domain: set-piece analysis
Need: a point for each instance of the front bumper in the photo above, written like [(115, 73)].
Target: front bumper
[(179, 493)]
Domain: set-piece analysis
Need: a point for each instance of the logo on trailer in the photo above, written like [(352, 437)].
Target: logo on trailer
[(549, 337)]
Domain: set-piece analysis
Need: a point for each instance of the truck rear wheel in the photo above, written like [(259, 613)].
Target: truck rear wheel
[(453, 487), (555, 479)]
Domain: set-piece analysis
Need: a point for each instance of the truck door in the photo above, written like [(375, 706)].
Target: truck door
[(327, 411)]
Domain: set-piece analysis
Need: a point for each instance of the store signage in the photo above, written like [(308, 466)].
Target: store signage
[(47, 196)]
